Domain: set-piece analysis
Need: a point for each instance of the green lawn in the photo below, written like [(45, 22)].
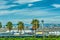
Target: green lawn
[(30, 38), (20, 38)]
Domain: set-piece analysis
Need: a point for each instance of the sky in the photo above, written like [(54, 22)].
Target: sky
[(27, 10)]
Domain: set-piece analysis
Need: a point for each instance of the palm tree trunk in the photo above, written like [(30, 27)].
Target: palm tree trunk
[(9, 33), (34, 33), (20, 32)]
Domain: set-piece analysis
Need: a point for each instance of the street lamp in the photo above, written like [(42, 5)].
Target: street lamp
[(42, 23), (42, 28)]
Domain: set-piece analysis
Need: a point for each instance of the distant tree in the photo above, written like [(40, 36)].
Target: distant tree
[(0, 25), (9, 26), (20, 26), (35, 25)]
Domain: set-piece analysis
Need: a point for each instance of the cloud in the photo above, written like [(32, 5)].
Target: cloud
[(23, 11), (38, 13), (6, 12), (51, 20), (25, 1), (15, 21), (56, 5), (29, 5), (56, 17), (29, 13), (3, 2), (29, 20), (6, 6)]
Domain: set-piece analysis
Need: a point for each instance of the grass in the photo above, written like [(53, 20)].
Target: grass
[(20, 38), (30, 38)]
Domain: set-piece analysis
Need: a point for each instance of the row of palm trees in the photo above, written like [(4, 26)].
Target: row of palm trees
[(35, 25)]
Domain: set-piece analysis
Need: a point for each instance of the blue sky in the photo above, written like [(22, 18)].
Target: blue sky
[(26, 10)]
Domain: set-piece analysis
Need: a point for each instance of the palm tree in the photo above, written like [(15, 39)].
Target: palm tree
[(35, 24), (0, 25), (20, 27), (9, 26)]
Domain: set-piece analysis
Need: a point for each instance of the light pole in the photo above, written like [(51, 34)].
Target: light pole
[(42, 28)]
